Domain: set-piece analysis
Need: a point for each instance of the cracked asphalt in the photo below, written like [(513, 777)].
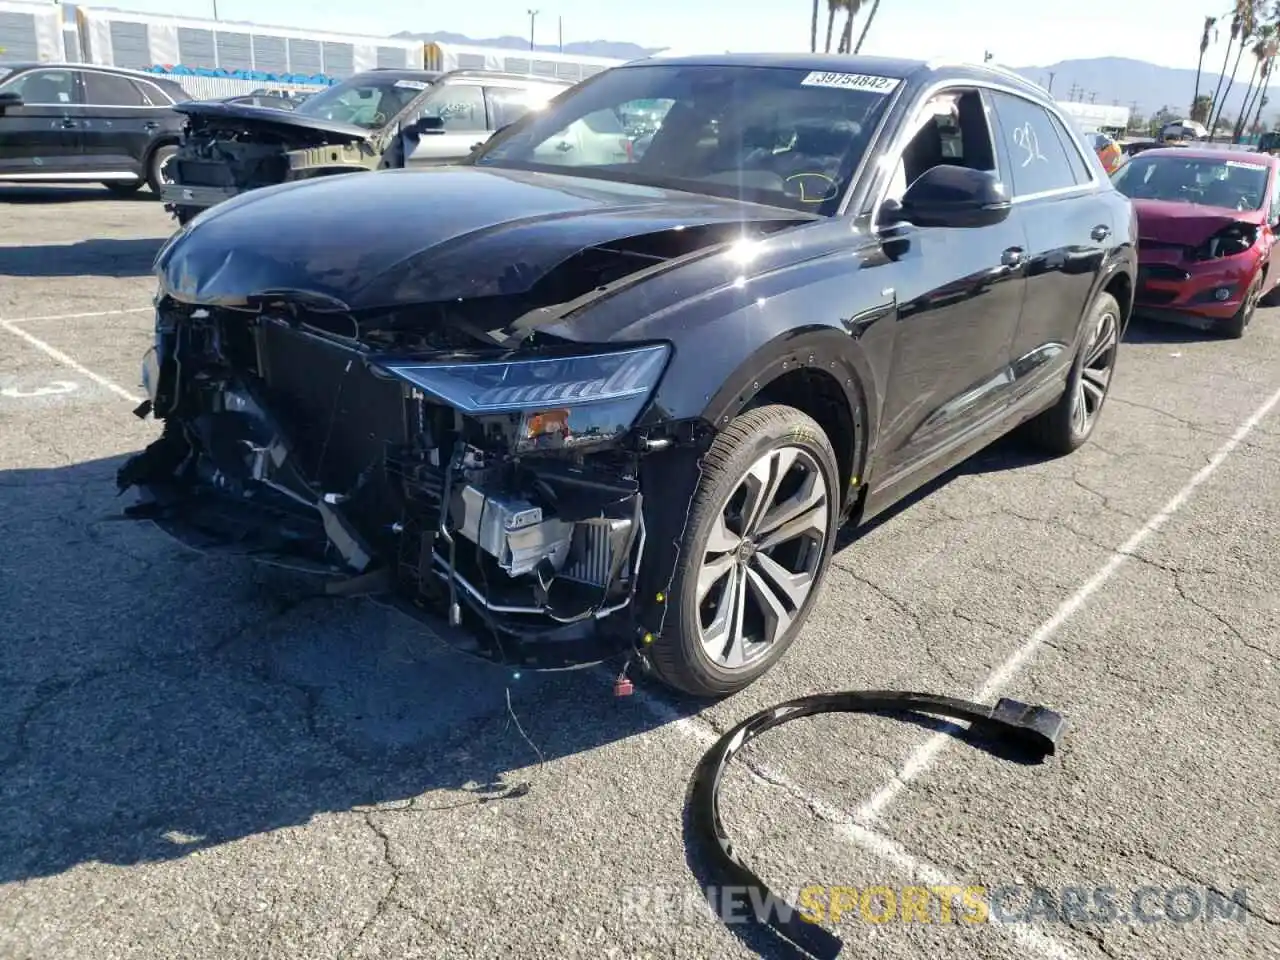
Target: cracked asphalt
[(203, 759)]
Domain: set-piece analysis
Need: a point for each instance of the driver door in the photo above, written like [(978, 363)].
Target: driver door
[(959, 295)]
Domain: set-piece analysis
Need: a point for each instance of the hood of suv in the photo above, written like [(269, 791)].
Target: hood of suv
[(367, 241)]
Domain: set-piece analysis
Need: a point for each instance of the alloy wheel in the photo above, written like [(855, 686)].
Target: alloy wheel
[(762, 557), (1095, 373)]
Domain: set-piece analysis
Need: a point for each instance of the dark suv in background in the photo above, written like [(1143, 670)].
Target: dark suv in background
[(80, 123), (374, 120)]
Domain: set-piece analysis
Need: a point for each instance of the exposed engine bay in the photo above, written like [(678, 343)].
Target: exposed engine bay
[(223, 156), (288, 442)]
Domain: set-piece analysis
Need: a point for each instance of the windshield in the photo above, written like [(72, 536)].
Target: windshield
[(1230, 184), (368, 102), (782, 136)]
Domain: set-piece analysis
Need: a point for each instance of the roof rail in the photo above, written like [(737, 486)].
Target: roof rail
[(990, 68)]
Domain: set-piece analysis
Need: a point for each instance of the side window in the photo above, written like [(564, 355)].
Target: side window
[(459, 105), (1038, 158), (950, 128), (45, 87), (109, 90), (509, 104)]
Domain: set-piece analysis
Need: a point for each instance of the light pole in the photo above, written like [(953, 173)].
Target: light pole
[(1052, 74), (215, 9), (533, 16)]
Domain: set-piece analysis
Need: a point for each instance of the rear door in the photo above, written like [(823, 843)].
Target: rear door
[(41, 138), (1067, 222), (119, 123), (460, 105)]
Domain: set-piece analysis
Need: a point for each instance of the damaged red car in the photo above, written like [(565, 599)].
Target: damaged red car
[(1207, 222)]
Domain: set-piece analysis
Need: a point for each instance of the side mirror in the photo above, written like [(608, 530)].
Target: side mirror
[(10, 99), (947, 196), (428, 125)]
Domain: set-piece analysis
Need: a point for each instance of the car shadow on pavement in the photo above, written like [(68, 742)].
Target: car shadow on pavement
[(155, 701), (101, 257), (1146, 330), (1009, 452), (45, 193)]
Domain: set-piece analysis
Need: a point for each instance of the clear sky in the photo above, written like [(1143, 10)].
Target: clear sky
[(1166, 32)]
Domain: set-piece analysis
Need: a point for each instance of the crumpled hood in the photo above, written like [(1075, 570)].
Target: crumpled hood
[(398, 237), (1187, 224), (218, 110)]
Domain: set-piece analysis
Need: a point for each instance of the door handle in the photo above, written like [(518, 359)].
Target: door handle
[(1013, 257), (1100, 232), (68, 124)]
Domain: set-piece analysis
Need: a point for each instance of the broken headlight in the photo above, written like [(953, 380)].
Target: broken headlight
[(1231, 240), (561, 401)]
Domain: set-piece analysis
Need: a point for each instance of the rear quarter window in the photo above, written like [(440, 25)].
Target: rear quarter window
[(1041, 159)]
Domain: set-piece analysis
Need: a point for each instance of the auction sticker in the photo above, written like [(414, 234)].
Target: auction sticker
[(411, 85), (1246, 166), (851, 81)]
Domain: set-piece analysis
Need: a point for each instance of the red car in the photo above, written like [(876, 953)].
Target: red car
[(1207, 222)]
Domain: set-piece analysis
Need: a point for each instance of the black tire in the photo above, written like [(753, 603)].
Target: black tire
[(1234, 328), (156, 163), (793, 448), (1060, 429), (123, 189)]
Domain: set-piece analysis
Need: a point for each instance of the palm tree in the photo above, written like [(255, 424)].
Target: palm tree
[(1209, 24), (1245, 14), (867, 26), (813, 29), (1259, 55), (833, 7), (846, 37), (1236, 18), (1260, 100)]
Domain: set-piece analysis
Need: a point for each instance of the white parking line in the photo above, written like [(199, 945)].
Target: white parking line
[(84, 316), (52, 351), (924, 755)]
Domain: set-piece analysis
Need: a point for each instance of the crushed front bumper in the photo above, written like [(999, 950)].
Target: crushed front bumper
[(1200, 294), (313, 461)]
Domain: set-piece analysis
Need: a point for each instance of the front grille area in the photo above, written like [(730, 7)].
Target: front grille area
[(201, 173), (1162, 271), (1157, 297)]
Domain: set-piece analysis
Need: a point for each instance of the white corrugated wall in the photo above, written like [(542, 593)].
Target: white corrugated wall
[(30, 31)]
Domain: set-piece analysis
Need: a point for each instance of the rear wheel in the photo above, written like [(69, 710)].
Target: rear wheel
[(755, 547), (1066, 425)]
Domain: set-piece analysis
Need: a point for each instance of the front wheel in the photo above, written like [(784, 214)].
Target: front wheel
[(1065, 426), (1234, 328), (755, 547)]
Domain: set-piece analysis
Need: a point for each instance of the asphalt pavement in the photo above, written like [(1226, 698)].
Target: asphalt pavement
[(200, 758)]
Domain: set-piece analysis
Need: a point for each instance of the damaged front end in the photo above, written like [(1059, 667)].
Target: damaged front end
[(227, 151), (491, 484)]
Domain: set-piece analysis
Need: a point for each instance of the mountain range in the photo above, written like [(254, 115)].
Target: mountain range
[(1145, 87), (583, 48)]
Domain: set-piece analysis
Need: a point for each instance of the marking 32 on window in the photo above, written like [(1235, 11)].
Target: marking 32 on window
[(851, 81)]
